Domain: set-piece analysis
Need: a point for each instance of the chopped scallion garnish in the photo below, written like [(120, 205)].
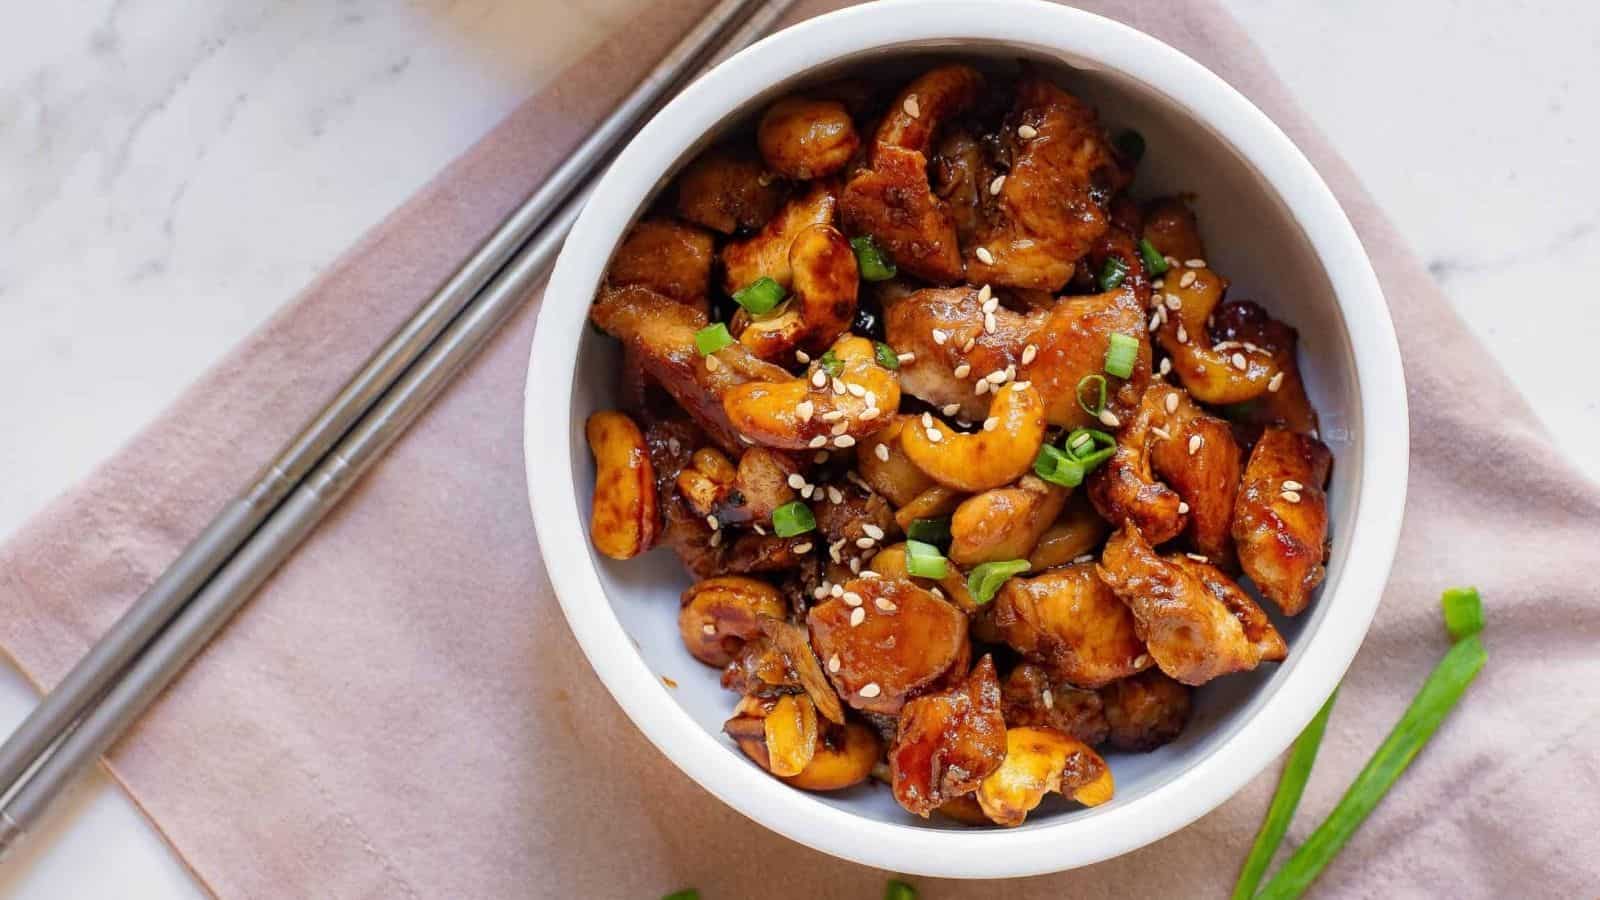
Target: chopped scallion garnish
[(870, 260), (831, 364), (986, 579), (1154, 263), (1058, 467), (1095, 382), (1463, 612), (712, 338), (886, 355), (1090, 446), (1131, 143), (925, 560), (930, 531), (1121, 354), (1112, 273), (792, 518), (759, 296)]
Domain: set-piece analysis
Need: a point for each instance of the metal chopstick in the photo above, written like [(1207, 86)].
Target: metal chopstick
[(284, 528)]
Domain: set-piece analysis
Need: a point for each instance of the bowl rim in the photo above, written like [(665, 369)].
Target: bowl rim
[(1382, 420)]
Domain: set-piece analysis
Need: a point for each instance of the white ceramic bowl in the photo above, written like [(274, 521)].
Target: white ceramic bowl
[(1272, 226)]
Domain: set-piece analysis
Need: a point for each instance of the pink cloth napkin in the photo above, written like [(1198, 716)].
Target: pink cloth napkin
[(401, 712)]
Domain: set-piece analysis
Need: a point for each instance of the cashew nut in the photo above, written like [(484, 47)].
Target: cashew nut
[(825, 280), (1079, 530), (791, 735), (766, 253), (815, 411), (986, 458), (623, 521), (840, 755), (890, 562), (804, 138), (1211, 375), (720, 614), (1039, 761)]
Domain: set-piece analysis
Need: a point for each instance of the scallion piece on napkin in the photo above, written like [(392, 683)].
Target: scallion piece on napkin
[(686, 894), (1291, 784), (899, 890), (1463, 612), (1439, 694)]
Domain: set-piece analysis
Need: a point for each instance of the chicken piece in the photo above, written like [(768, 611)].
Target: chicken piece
[(962, 176), (859, 516), (699, 547), (1285, 403), (1052, 203), (892, 199), (660, 331), (706, 482), (1170, 227), (823, 271), (892, 474), (760, 486), (719, 614), (1145, 711), (890, 562), (793, 643), (1076, 533), (668, 257), (1029, 697), (1125, 489), (813, 411), (934, 503), (1040, 761), (1120, 242), (727, 189), (1069, 622), (948, 742), (751, 552), (1195, 622), (806, 138), (1199, 459), (765, 254), (1004, 523), (903, 641), (1280, 522), (1069, 342)]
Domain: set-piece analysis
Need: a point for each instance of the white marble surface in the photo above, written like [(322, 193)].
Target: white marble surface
[(170, 173)]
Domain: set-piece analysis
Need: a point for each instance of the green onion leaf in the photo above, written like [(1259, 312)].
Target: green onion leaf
[(831, 364), (925, 560), (930, 531), (870, 260), (759, 296), (1422, 718), (1463, 612), (886, 355), (792, 518), (1131, 143), (1112, 273), (1121, 354), (1291, 784), (685, 894), (1090, 446), (1154, 262), (985, 580), (712, 338), (899, 890), (1057, 467), (1094, 381)]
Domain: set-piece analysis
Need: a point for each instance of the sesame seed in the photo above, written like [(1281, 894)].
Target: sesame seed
[(995, 185), (1166, 367), (1194, 444), (804, 409), (1291, 496), (839, 428), (855, 564), (1141, 660), (870, 574), (835, 495), (833, 663), (984, 256), (758, 529), (834, 415), (1172, 402), (818, 441), (712, 363), (872, 531), (934, 435), (708, 628), (1021, 385), (927, 420), (833, 551), (856, 390), (989, 323), (1183, 334), (1186, 280), (1029, 353), (998, 376), (836, 590), (747, 440), (984, 293), (1197, 557), (819, 378), (910, 106), (843, 441), (865, 543), (1027, 132), (1049, 699), (885, 604), (808, 490), (1275, 383), (1161, 433), (967, 347), (881, 452), (1171, 262), (1292, 485), (803, 548), (991, 423), (1109, 418), (1220, 346), (797, 481), (1195, 263), (1078, 442), (1253, 348), (936, 592), (820, 591), (802, 357), (850, 598), (940, 336), (712, 521), (838, 387), (982, 387), (1239, 362), (868, 414), (870, 690), (950, 409), (963, 370), (1159, 283), (1155, 320), (1083, 558), (716, 539), (857, 616), (907, 358), (1183, 508), (1174, 302)]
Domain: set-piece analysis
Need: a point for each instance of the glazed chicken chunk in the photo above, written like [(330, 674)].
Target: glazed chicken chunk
[(1281, 521)]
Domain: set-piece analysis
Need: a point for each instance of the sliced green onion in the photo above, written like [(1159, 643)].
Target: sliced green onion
[(792, 518), (685, 894), (1112, 273), (1291, 784), (925, 560), (1154, 262), (1092, 380), (712, 338), (1120, 355), (1131, 143), (831, 364), (886, 355), (899, 890), (1081, 440), (985, 580), (1438, 696), (1058, 467), (1463, 612), (930, 531), (759, 296), (870, 260)]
